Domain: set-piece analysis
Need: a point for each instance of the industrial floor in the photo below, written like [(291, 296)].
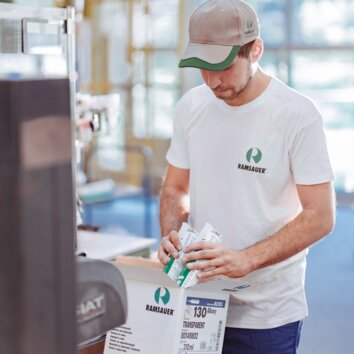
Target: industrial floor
[(329, 329)]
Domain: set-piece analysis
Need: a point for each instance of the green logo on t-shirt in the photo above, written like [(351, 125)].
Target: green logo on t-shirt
[(254, 154)]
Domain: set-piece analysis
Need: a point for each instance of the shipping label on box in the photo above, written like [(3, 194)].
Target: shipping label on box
[(166, 319), (203, 325)]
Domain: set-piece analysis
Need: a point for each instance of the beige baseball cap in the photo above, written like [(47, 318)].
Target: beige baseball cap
[(217, 30)]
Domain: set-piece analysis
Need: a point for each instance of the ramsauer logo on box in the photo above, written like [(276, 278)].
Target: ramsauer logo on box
[(162, 294), (253, 155), (162, 297)]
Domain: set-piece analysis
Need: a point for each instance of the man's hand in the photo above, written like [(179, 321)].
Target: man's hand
[(169, 246), (173, 211), (314, 222), (215, 259)]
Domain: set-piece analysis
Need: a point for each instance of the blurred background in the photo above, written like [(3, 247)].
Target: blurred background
[(127, 85)]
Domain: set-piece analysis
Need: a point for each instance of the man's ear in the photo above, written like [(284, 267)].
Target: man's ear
[(257, 50)]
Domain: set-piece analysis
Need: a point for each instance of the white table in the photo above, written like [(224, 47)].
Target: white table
[(108, 246)]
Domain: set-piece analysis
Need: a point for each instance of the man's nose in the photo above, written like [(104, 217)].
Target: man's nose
[(213, 79)]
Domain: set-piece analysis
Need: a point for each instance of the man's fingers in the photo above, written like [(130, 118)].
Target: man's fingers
[(169, 246), (200, 265), (174, 237), (205, 264), (162, 256), (197, 255), (199, 245), (171, 250), (202, 276)]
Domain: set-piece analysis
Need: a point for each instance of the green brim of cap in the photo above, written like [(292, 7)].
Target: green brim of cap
[(202, 64)]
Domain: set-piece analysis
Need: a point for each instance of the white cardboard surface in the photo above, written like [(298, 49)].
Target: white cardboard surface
[(166, 319)]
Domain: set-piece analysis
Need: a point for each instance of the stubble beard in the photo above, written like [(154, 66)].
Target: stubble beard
[(231, 93)]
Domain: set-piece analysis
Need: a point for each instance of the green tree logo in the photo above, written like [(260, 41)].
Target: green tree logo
[(162, 294), (249, 25), (254, 154)]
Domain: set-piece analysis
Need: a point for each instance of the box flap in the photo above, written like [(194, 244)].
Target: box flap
[(146, 274), (139, 261), (151, 271), (230, 285)]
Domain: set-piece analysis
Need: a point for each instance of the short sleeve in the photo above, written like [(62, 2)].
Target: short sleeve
[(177, 154), (310, 163)]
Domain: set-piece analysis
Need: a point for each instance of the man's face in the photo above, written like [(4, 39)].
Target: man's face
[(229, 84)]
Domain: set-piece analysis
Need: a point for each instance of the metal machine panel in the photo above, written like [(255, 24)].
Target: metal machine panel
[(37, 269)]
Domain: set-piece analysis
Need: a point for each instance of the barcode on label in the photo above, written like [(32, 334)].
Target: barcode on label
[(202, 345), (218, 335)]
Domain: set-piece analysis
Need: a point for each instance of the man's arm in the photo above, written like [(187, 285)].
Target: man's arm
[(314, 222), (174, 210)]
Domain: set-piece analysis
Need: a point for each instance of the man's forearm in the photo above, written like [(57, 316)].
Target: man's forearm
[(173, 210), (306, 229)]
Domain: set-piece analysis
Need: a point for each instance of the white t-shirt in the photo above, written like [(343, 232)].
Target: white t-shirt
[(244, 165)]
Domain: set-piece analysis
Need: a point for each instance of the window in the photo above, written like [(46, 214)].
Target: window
[(315, 55), (309, 44), (156, 82)]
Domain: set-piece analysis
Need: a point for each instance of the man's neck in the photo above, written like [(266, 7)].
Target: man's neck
[(256, 86)]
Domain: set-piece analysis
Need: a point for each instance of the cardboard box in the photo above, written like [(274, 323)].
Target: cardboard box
[(166, 319)]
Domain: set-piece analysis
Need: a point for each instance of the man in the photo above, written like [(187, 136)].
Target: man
[(251, 155)]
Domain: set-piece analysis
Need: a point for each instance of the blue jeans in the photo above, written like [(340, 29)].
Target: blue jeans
[(280, 340)]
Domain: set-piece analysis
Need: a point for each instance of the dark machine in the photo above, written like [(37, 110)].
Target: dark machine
[(51, 301), (42, 304)]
